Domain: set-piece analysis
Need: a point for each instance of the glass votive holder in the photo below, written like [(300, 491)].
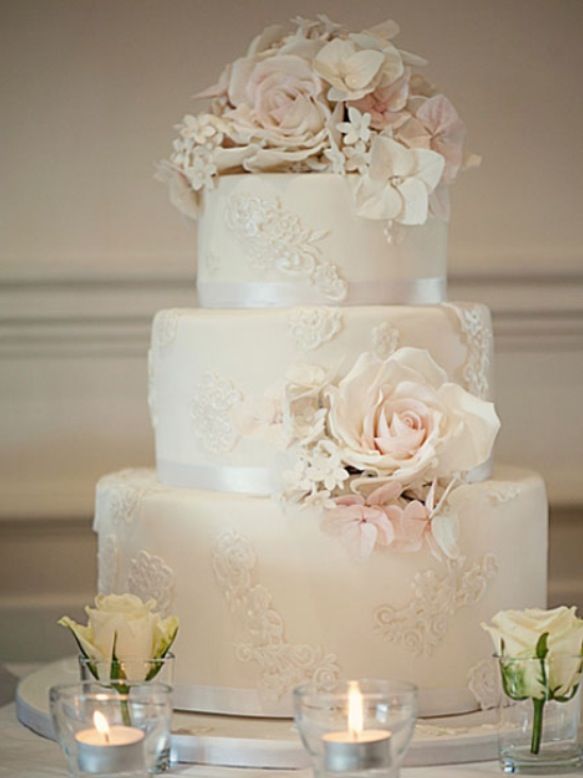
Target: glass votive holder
[(356, 728), (106, 732), (539, 730), (129, 669)]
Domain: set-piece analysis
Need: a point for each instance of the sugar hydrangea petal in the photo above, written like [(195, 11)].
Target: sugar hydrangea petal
[(415, 202)]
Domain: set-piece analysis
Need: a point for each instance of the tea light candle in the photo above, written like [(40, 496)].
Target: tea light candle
[(356, 748), (109, 749)]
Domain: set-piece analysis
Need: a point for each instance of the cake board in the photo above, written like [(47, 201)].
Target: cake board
[(238, 741)]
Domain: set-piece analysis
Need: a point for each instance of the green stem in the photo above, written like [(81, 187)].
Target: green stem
[(537, 726), (125, 713)]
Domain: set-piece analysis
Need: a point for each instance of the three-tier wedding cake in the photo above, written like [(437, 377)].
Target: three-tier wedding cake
[(324, 504)]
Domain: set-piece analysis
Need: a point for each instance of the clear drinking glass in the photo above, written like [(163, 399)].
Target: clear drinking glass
[(386, 713), (539, 715), (104, 732)]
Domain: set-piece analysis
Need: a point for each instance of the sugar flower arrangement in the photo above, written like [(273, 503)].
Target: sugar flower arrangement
[(382, 450), (318, 98)]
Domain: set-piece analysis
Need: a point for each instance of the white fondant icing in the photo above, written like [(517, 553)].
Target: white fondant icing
[(284, 227), (275, 238), (323, 597), (283, 665), (421, 625)]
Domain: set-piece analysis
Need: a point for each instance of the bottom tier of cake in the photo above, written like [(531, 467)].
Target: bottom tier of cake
[(267, 600)]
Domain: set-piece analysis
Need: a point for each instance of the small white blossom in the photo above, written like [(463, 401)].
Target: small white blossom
[(357, 158), (357, 128), (336, 158), (320, 499), (325, 465), (204, 130), (201, 170)]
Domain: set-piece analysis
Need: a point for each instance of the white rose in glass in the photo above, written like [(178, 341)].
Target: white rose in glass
[(516, 634), (126, 624), (278, 100), (401, 418)]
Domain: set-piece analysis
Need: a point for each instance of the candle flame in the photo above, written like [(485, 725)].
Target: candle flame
[(355, 709), (101, 725)]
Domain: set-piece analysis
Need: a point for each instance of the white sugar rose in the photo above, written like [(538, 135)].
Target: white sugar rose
[(279, 101), (516, 635), (122, 622), (401, 419)]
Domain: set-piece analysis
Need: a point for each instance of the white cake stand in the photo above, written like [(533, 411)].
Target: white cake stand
[(236, 741)]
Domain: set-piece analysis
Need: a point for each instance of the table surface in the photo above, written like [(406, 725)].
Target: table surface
[(23, 754)]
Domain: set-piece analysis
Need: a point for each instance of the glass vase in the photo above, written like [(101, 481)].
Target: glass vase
[(130, 669), (104, 732), (386, 713), (540, 712)]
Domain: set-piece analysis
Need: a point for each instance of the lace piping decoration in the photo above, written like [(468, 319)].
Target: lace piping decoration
[(151, 578), (165, 328), (384, 339), (213, 427), (119, 497), (275, 238), (108, 564), (499, 493), (282, 665), (310, 328), (421, 625), (477, 334), (484, 683)]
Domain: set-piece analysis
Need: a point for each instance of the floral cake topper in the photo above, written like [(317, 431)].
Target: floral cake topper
[(319, 98)]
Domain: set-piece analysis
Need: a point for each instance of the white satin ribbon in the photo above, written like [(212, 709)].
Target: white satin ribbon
[(482, 472), (251, 702), (259, 481), (400, 291)]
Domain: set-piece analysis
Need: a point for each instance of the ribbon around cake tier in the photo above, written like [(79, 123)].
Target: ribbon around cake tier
[(400, 291), (257, 481)]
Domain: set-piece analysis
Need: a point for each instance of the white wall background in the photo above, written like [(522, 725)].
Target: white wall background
[(89, 247)]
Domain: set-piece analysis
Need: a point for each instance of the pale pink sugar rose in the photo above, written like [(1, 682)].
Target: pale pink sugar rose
[(402, 419), (398, 426), (436, 126), (278, 100), (362, 523), (386, 104)]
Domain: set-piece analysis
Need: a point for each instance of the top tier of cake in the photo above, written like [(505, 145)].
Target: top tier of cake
[(279, 240)]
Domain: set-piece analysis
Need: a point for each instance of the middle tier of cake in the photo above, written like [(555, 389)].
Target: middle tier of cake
[(215, 376)]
